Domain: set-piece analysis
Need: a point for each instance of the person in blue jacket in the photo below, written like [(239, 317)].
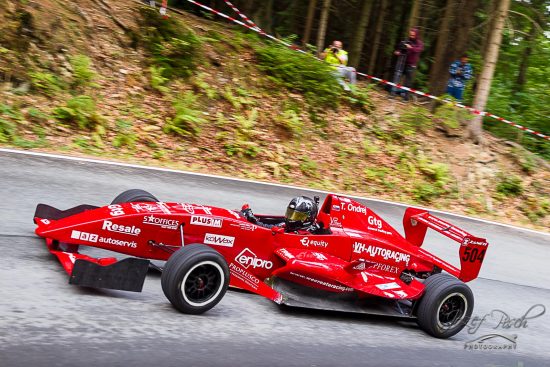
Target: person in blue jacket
[(461, 71)]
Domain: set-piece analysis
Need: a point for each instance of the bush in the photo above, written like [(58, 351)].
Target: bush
[(125, 136), (80, 110), (426, 192), (509, 185), (416, 118), (300, 72), (7, 130), (187, 119), (46, 83), (309, 167), (173, 46), (83, 75), (291, 121), (157, 80)]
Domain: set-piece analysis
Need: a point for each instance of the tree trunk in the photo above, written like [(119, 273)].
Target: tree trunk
[(325, 10), (464, 26), (359, 36), (486, 76), (309, 21), (492, 14), (522, 75), (413, 17), (438, 74), (377, 35)]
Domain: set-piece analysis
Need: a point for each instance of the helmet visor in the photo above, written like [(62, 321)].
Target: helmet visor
[(295, 216)]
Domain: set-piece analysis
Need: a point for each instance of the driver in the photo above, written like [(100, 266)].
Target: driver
[(300, 217)]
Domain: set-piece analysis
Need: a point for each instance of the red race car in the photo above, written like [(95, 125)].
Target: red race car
[(345, 258)]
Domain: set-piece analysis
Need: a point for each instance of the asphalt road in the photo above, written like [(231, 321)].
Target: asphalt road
[(44, 321)]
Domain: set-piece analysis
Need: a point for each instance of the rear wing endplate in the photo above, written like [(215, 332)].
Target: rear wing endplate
[(472, 249)]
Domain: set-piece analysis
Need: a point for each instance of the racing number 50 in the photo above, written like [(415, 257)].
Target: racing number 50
[(472, 255)]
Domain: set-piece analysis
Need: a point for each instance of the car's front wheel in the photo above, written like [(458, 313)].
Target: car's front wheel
[(445, 307), (195, 278)]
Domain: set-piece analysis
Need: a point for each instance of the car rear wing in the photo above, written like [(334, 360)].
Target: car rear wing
[(472, 249)]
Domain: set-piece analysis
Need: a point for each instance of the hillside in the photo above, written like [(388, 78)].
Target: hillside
[(115, 80)]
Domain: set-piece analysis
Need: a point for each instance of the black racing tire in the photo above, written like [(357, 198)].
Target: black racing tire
[(195, 279), (134, 195), (446, 306)]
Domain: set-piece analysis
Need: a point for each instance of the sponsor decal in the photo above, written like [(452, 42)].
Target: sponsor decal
[(249, 259), (307, 242), (374, 221), (245, 226), (192, 208), (389, 295), (360, 266), (353, 234), (113, 227), (45, 221), (285, 254), (354, 208), (199, 220), (115, 210), (388, 286), (374, 251), (219, 240), (244, 276), (166, 223), (401, 294), (385, 267), (365, 277), (345, 200), (147, 207), (336, 208), (188, 208), (468, 241), (335, 222), (84, 236), (233, 213), (319, 256), (164, 208), (112, 241), (323, 283)]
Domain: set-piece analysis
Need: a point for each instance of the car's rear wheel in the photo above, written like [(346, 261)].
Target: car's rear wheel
[(445, 307), (195, 278), (134, 195)]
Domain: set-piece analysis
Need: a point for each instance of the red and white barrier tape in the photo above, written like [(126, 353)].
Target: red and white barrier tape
[(383, 81), (244, 17)]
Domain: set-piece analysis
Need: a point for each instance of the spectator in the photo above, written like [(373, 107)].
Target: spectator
[(408, 54), (336, 56), (461, 71)]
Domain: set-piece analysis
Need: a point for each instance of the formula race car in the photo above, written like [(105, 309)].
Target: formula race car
[(358, 263)]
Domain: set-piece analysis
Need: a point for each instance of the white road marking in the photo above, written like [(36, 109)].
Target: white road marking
[(129, 165)]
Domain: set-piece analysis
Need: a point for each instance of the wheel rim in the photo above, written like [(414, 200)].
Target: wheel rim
[(202, 283), (451, 310)]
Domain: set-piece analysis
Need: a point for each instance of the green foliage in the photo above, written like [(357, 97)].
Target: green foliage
[(426, 192), (173, 46), (509, 185), (369, 148), (157, 80), (376, 174), (309, 167), (80, 110), (125, 136), (204, 87), (536, 208), (438, 172), (46, 83), (525, 159), (450, 116), (528, 104), (241, 141), (300, 72), (291, 121), (83, 75), (9, 117), (187, 119), (416, 118)]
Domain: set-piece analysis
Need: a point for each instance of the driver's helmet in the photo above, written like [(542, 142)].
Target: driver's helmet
[(300, 213)]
